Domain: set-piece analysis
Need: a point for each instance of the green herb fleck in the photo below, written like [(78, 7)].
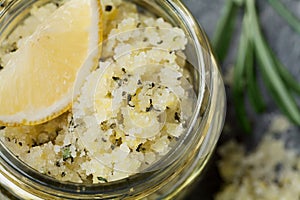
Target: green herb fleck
[(115, 78), (66, 153), (108, 8), (101, 179)]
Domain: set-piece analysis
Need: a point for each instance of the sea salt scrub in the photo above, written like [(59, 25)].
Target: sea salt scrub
[(270, 171), (129, 113)]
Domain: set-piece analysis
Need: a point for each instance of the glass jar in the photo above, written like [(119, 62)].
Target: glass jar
[(180, 168)]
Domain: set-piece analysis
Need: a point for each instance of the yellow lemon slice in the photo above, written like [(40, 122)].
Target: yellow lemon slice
[(37, 83)]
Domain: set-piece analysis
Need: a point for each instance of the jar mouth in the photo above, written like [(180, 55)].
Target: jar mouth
[(152, 176)]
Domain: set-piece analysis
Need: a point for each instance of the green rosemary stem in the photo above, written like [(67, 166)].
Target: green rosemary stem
[(286, 14)]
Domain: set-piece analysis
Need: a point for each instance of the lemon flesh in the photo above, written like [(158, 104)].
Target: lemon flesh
[(37, 83)]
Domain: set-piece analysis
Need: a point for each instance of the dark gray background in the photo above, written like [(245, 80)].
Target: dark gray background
[(285, 43)]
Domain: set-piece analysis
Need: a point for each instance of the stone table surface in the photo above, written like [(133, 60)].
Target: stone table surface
[(285, 43)]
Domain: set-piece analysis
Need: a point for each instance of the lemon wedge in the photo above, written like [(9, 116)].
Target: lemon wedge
[(38, 81)]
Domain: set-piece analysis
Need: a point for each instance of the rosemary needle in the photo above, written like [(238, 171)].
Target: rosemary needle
[(286, 14), (224, 30), (290, 81), (239, 84), (254, 94)]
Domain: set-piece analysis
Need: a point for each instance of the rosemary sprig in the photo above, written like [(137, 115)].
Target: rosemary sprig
[(253, 47), (276, 85)]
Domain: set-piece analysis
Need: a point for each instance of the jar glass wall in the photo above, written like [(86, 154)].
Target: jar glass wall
[(180, 168)]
